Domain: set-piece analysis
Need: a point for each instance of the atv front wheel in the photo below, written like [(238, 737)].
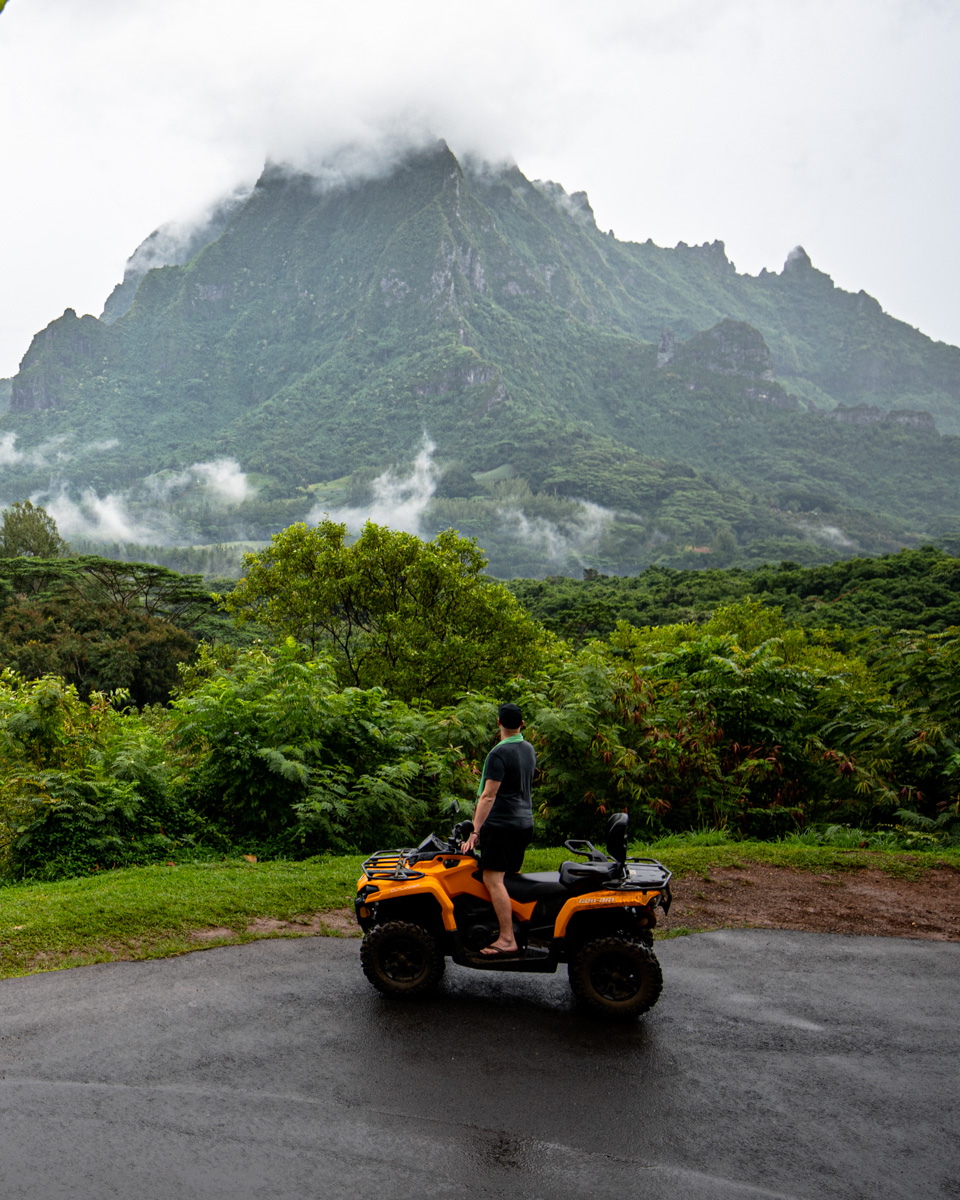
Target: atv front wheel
[(616, 976), (401, 959)]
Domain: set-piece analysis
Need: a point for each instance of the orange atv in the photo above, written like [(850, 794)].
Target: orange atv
[(417, 907)]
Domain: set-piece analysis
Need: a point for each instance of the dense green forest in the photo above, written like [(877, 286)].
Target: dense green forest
[(591, 404), (913, 589), (139, 724)]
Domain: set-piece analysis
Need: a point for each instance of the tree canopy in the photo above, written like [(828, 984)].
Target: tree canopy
[(27, 530), (913, 589), (102, 625), (419, 618)]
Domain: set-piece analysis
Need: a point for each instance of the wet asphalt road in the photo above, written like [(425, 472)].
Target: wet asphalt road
[(776, 1064)]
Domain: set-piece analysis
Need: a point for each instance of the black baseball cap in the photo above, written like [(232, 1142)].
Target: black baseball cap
[(509, 716)]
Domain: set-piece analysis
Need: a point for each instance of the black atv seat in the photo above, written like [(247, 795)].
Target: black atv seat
[(580, 877), (573, 879), (538, 885)]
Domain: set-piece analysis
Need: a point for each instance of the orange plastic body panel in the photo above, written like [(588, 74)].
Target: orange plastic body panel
[(446, 883), (594, 901)]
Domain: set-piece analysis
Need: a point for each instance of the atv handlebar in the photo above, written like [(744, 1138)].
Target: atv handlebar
[(461, 832)]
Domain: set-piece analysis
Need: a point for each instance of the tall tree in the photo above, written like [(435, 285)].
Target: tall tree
[(419, 618), (28, 531)]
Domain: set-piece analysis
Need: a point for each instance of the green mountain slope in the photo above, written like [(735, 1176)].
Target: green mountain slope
[(315, 337)]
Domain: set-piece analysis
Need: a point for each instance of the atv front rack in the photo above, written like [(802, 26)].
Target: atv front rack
[(390, 864)]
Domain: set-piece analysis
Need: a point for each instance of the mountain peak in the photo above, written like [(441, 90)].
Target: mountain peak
[(357, 163), (797, 260), (799, 268), (343, 309), (574, 204)]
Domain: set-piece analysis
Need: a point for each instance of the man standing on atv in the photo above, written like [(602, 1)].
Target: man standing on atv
[(503, 821)]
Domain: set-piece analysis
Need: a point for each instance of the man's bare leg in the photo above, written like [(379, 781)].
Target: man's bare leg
[(493, 882)]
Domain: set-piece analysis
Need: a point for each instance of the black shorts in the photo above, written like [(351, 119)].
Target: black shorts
[(502, 849)]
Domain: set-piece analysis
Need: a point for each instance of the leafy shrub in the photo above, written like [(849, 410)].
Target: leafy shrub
[(800, 733), (83, 785), (279, 751)]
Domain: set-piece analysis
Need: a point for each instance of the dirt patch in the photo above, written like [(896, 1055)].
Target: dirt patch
[(863, 901), (211, 935), (339, 922), (342, 921)]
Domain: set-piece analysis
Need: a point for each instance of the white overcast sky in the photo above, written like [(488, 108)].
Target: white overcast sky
[(765, 123)]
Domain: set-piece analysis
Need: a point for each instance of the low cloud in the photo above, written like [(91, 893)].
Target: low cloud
[(832, 536), (401, 501), (9, 454), (44, 455), (139, 515), (223, 477), (571, 541), (829, 535), (398, 501), (50, 453), (101, 519), (379, 154), (577, 206)]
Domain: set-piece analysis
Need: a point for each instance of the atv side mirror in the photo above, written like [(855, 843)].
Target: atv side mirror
[(454, 808), (617, 837)]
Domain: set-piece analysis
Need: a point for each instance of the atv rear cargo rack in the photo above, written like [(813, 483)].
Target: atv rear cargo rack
[(641, 875), (649, 872), (390, 864)]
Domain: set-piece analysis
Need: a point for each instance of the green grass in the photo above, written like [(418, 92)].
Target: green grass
[(151, 912), (697, 860), (154, 912)]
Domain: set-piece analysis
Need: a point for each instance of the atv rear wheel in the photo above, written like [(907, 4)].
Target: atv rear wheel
[(616, 976), (401, 959)]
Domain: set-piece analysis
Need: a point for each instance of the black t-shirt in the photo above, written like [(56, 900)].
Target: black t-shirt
[(511, 764)]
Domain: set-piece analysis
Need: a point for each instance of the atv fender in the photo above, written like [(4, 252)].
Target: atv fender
[(421, 909), (635, 921)]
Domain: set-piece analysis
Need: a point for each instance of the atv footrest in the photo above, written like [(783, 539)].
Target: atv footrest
[(533, 958)]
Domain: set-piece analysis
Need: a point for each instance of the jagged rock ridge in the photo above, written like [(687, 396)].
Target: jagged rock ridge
[(310, 332)]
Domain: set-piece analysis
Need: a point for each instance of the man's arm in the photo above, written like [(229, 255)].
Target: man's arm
[(484, 804)]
